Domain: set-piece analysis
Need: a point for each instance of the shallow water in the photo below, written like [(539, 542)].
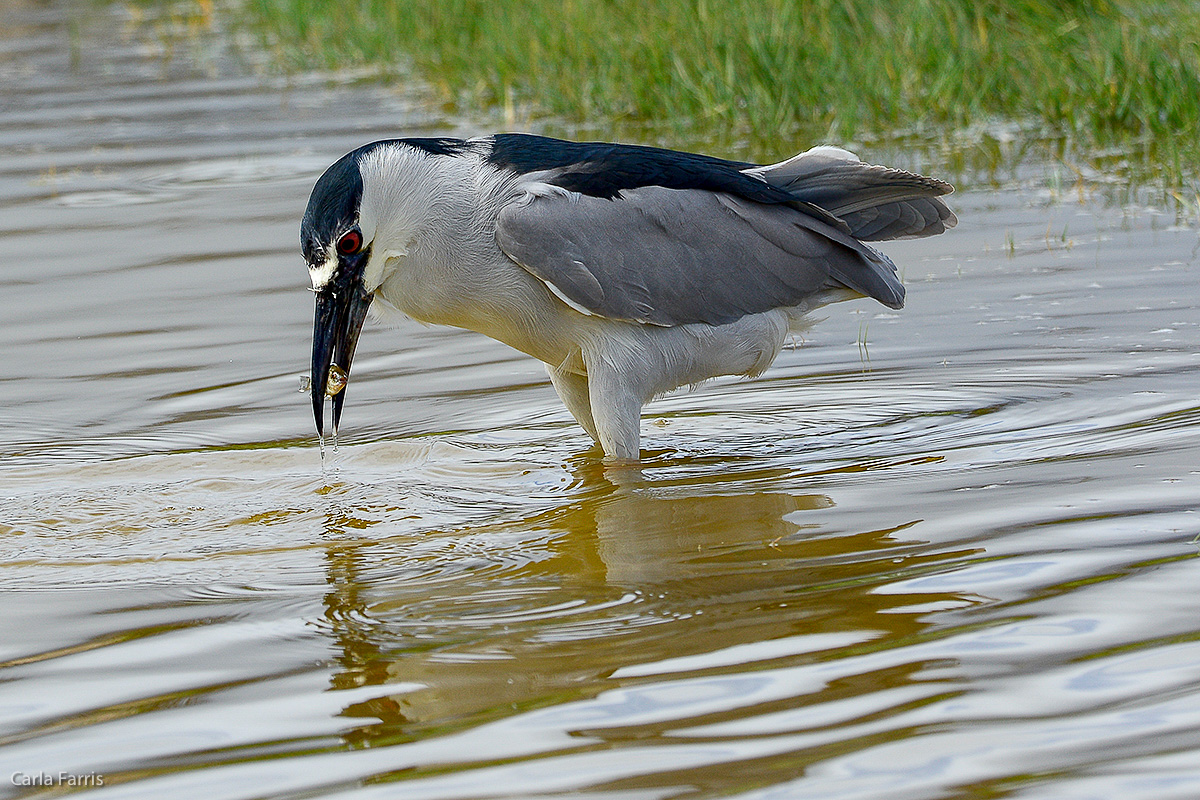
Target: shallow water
[(945, 552)]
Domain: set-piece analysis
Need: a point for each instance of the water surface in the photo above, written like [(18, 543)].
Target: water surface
[(948, 552)]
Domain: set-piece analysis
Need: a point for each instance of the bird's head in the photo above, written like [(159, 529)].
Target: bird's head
[(337, 252), (363, 218)]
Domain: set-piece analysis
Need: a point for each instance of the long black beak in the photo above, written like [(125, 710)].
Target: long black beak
[(341, 311)]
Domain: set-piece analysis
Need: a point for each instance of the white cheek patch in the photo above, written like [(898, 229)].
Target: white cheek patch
[(323, 274)]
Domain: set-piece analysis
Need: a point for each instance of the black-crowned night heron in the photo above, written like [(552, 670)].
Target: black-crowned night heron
[(628, 270)]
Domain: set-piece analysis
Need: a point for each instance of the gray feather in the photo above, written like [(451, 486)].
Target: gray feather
[(671, 257), (876, 203)]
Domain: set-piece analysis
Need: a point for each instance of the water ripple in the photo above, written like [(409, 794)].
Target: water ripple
[(946, 552)]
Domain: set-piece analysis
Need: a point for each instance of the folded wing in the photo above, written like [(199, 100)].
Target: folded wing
[(677, 256)]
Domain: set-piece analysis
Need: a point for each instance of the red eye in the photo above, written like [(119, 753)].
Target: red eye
[(350, 243)]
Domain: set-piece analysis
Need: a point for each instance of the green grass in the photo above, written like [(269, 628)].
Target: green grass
[(1118, 80)]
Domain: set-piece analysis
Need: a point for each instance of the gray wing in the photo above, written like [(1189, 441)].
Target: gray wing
[(876, 203), (671, 257)]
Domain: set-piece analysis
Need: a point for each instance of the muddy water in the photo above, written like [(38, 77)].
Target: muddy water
[(945, 552)]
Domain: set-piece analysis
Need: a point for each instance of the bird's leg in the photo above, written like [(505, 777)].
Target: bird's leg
[(573, 389), (616, 409)]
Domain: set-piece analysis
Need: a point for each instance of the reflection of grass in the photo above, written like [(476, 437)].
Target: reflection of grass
[(749, 74), (864, 352)]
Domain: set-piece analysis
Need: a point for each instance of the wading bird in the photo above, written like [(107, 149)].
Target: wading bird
[(628, 270)]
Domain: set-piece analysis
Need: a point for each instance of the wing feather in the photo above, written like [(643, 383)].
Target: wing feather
[(676, 256), (876, 203)]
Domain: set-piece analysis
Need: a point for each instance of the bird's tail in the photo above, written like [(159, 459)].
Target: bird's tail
[(875, 203)]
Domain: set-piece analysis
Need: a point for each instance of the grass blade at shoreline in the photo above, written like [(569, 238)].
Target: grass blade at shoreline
[(761, 75)]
